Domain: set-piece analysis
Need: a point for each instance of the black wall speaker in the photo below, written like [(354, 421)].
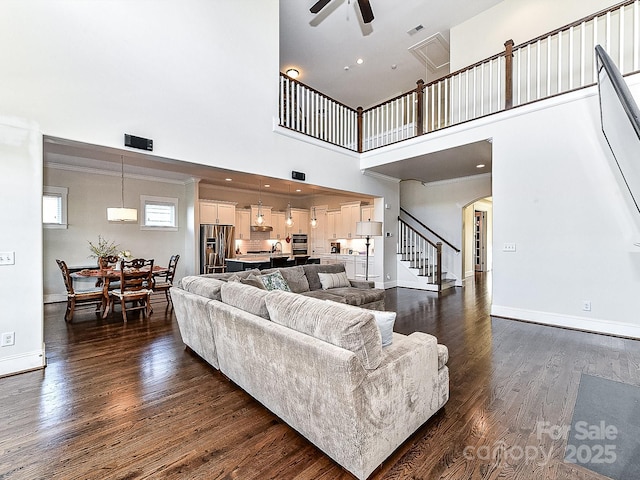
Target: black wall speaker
[(298, 176), (138, 142)]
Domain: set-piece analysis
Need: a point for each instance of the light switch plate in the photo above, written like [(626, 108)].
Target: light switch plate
[(7, 258)]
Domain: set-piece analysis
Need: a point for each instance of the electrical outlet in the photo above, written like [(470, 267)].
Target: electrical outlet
[(7, 258), (508, 247), (586, 305), (8, 339)]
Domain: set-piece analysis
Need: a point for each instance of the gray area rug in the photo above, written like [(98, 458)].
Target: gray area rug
[(605, 429)]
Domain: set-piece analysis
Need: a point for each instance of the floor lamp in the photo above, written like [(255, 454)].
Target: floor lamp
[(368, 229)]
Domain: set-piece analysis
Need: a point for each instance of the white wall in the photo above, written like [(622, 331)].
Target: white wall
[(21, 233), (439, 205), (520, 20), (557, 195), (89, 196)]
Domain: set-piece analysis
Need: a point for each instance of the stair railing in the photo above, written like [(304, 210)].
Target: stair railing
[(440, 237), (421, 252)]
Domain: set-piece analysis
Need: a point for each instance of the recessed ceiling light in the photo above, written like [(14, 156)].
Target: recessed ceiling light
[(292, 73), (298, 190), (346, 67), (266, 185), (480, 165), (359, 61), (227, 179)]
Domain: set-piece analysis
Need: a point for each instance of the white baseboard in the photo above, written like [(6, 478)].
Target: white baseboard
[(22, 362), (585, 324), (55, 298)]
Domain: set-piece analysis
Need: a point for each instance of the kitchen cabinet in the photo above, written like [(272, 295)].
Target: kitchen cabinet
[(361, 266), (350, 213), (243, 224), (300, 221), (366, 213), (266, 212), (318, 235), (279, 231), (217, 213), (334, 224)]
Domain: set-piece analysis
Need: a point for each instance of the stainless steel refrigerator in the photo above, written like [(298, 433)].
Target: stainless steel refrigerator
[(216, 245)]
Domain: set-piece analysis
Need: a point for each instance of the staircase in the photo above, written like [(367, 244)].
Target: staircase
[(419, 261)]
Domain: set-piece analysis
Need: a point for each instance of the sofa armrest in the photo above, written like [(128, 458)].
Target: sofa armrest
[(362, 284)]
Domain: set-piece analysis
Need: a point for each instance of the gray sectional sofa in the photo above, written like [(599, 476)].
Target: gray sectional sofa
[(315, 362)]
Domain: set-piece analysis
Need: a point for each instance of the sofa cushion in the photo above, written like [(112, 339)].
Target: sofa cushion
[(353, 330), (359, 296), (254, 281), (245, 297), (295, 278), (225, 276), (333, 280), (204, 286), (275, 281), (385, 321), (311, 271), (324, 295)]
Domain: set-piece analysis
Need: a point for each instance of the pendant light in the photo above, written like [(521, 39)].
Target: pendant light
[(260, 215), (314, 220), (122, 214), (289, 220)]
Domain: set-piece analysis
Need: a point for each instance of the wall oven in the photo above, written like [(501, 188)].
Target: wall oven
[(299, 244)]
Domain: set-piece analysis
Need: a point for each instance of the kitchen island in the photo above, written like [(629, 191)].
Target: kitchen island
[(263, 262)]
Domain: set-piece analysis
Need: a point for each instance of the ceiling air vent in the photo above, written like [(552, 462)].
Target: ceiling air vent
[(415, 29)]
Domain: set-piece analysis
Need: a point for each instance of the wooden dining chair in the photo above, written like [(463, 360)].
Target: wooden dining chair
[(136, 281), (163, 281), (110, 261), (77, 299)]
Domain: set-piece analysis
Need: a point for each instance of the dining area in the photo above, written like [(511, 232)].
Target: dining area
[(118, 285)]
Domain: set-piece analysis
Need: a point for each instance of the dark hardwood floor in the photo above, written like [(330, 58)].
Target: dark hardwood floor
[(128, 401)]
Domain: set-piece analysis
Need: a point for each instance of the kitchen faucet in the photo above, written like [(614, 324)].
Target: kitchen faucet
[(275, 248)]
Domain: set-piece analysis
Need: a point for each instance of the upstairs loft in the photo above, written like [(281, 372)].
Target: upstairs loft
[(555, 63)]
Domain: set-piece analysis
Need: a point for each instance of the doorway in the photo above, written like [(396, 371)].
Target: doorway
[(477, 227)]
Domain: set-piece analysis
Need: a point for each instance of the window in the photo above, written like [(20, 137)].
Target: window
[(54, 207), (159, 213)]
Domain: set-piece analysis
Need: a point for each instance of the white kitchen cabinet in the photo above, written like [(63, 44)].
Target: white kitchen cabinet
[(243, 224), (279, 231), (266, 213), (334, 224), (300, 221), (350, 213), (366, 213), (318, 235), (217, 213), (361, 266)]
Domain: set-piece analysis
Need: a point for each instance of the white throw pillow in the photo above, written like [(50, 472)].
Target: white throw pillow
[(333, 280), (385, 321)]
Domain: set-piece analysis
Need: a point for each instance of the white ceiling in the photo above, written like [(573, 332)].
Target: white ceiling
[(320, 46)]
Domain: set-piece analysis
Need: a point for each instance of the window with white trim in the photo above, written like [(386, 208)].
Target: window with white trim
[(159, 213), (54, 207)]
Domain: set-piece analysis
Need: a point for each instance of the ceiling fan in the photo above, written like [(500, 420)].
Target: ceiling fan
[(365, 9)]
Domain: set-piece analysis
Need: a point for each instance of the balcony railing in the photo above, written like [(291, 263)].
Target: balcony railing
[(555, 63)]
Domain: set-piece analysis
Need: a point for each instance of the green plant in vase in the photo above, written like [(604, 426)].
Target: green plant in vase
[(103, 248)]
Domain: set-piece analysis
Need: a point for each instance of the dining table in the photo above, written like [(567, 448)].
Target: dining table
[(107, 275)]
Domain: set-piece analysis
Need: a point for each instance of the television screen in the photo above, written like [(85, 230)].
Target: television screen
[(620, 120)]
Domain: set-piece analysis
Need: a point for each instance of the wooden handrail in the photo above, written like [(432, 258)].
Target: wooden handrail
[(434, 245), (576, 23), (316, 91), (456, 249)]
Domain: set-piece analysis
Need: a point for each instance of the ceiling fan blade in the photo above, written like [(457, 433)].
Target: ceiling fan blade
[(365, 10), (319, 5)]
